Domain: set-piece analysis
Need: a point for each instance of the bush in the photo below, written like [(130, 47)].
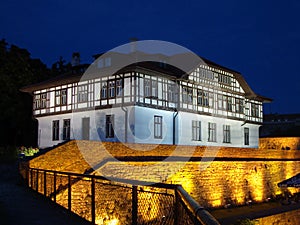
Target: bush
[(23, 151)]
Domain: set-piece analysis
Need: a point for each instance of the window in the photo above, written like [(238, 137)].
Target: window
[(61, 97), (147, 87), (111, 89), (226, 133), (104, 91), (254, 110), (154, 88), (109, 124), (239, 105), (203, 98), (40, 101), (172, 93), (212, 132), (119, 87), (37, 101), (66, 129), (246, 136), (55, 130), (196, 130), (82, 93), (229, 104), (224, 79), (158, 127), (187, 95)]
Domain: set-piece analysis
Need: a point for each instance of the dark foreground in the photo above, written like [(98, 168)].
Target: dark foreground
[(21, 206)]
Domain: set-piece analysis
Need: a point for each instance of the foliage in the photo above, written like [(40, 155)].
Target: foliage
[(17, 70), (28, 151)]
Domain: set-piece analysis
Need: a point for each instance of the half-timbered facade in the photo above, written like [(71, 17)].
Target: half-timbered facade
[(149, 103)]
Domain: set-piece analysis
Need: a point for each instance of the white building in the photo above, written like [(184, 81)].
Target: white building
[(149, 102)]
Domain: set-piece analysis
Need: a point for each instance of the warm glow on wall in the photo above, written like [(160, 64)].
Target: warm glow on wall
[(101, 221)]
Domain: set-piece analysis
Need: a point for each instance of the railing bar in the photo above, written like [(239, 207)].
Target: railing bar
[(54, 184), (93, 201), (134, 205), (37, 181), (69, 193), (45, 184)]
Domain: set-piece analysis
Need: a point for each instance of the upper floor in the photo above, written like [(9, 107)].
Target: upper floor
[(208, 89)]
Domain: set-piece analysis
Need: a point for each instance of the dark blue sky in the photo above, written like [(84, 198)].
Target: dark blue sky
[(259, 38)]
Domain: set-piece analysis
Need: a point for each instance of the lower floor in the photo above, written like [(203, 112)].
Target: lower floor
[(136, 124)]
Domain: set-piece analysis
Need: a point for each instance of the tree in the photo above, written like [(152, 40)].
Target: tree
[(18, 69)]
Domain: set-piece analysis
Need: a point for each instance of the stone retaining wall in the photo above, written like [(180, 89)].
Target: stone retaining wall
[(252, 176)]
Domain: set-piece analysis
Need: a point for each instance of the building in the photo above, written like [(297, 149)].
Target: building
[(149, 102), (280, 125)]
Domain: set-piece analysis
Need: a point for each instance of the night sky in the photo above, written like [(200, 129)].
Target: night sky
[(259, 38)]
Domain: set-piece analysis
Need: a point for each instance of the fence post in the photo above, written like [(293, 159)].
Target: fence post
[(27, 176), (93, 200), (69, 193), (134, 205), (37, 181), (45, 184), (54, 189), (31, 178)]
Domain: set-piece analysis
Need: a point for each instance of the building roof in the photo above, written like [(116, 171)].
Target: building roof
[(151, 67), (291, 182)]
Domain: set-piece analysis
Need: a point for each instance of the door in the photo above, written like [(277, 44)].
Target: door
[(86, 128)]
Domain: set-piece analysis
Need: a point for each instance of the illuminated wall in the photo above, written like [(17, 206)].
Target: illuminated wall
[(221, 183), (287, 218), (280, 143)]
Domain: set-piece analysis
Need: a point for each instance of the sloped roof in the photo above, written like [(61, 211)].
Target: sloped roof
[(291, 182), (150, 66)]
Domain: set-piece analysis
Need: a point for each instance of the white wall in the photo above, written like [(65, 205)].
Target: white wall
[(140, 127)]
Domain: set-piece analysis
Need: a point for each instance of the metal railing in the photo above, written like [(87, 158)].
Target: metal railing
[(102, 201)]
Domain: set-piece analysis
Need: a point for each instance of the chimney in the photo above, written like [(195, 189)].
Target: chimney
[(133, 41), (75, 59)]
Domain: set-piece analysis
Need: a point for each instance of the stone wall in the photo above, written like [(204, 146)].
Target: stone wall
[(236, 177), (287, 218), (282, 143)]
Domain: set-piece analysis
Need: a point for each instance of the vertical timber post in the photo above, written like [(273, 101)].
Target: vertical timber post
[(134, 205), (69, 193), (93, 201)]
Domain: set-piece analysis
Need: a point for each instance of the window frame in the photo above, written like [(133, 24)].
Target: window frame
[(158, 127), (196, 130), (109, 126), (66, 129), (212, 132), (226, 134), (55, 130), (246, 136), (82, 95)]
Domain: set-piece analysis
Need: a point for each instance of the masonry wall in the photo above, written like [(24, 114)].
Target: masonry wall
[(252, 175), (287, 218), (283, 143)]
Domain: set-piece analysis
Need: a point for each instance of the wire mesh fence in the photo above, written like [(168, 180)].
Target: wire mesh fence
[(101, 201)]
